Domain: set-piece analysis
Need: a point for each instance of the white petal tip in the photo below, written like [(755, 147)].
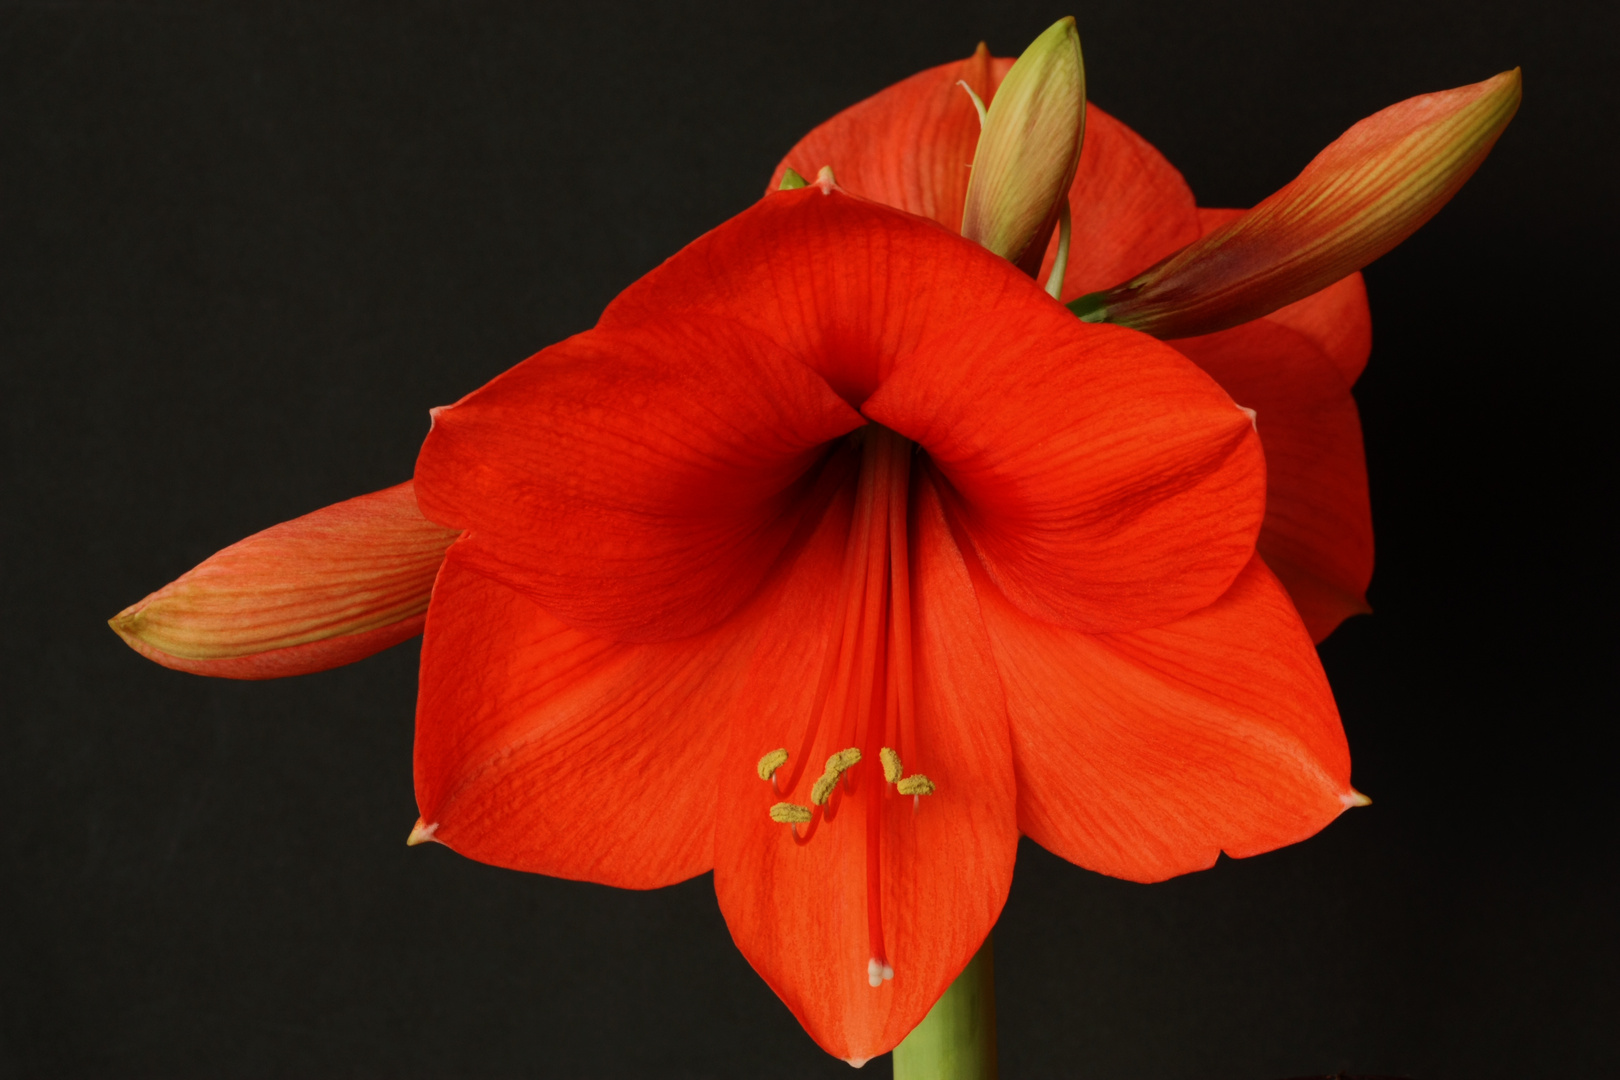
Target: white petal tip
[(1251, 414), (824, 180), (1354, 798), (857, 1062), (420, 833)]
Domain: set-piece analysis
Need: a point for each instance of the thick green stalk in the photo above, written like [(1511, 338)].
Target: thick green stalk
[(957, 1039)]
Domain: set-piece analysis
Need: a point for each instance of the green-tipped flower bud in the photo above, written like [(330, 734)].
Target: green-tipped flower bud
[(1364, 194), (1029, 150)]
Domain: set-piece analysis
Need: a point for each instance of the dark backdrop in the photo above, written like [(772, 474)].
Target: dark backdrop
[(243, 254)]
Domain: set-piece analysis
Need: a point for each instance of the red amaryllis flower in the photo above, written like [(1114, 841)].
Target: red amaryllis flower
[(343, 582), (837, 555), (910, 147)]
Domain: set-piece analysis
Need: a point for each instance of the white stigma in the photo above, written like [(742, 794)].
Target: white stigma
[(877, 973)]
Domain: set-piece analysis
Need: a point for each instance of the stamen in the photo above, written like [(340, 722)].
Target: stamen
[(844, 759), (915, 785), (832, 685), (822, 789), (771, 762), (864, 698), (786, 813), (900, 607)]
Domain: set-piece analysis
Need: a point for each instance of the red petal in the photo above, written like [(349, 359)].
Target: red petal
[(1144, 755), (637, 483), (1317, 535), (1130, 207), (1337, 319), (317, 592), (845, 285), (909, 146), (1106, 483), (799, 913), (541, 748)]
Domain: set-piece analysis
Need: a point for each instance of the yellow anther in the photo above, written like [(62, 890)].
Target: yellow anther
[(787, 813), (822, 789), (915, 785), (843, 760), (771, 762), (892, 772)]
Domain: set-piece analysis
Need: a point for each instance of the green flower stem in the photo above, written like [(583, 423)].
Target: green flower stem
[(957, 1039)]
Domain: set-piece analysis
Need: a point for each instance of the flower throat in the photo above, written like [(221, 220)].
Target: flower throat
[(864, 699)]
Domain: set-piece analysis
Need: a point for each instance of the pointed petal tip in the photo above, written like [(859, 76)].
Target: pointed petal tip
[(126, 623), (856, 1062), (420, 833), (1353, 798)]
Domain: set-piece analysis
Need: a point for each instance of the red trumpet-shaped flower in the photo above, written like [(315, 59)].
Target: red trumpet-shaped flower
[(837, 555)]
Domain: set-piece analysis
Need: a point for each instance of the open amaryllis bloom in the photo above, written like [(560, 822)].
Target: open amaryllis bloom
[(910, 147), (840, 553), (835, 557)]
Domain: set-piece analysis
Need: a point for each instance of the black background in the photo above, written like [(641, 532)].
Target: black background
[(243, 253)]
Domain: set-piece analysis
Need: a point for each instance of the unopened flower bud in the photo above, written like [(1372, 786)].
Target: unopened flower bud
[(1369, 190), (1029, 150), (325, 589)]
